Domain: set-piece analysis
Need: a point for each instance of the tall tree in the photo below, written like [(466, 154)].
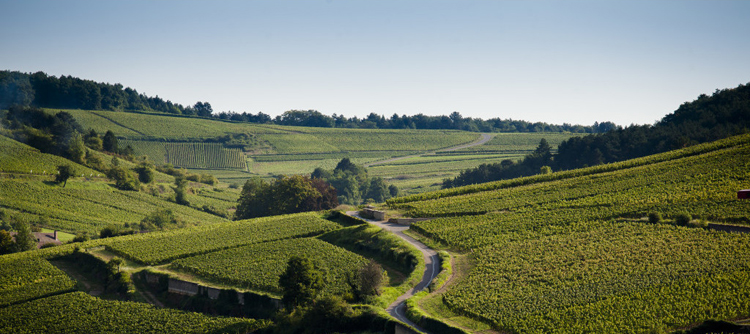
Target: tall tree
[(109, 143), (6, 242), (25, 239), (64, 172), (300, 283)]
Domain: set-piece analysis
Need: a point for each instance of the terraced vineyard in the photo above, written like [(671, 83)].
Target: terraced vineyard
[(259, 266), (78, 312), (569, 253), (161, 247)]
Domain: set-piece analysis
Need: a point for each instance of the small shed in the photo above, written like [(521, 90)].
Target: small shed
[(743, 194)]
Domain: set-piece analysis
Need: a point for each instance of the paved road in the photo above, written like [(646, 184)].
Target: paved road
[(431, 261), (485, 138)]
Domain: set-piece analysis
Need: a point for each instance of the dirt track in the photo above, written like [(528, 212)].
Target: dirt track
[(431, 261), (485, 138)]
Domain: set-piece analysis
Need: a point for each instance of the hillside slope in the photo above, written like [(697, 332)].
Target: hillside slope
[(88, 202), (569, 252)]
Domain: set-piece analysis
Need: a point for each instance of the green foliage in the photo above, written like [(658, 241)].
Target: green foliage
[(160, 247), (353, 184), (93, 141), (25, 240), (682, 219), (6, 242), (64, 172), (109, 143), (180, 191), (158, 219), (370, 279), (262, 272), (94, 315), (145, 173), (30, 278), (654, 217), (301, 282), (76, 148), (124, 178), (285, 195)]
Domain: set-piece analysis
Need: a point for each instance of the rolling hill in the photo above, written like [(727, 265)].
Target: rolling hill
[(571, 252)]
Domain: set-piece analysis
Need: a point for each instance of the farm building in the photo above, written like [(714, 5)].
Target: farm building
[(743, 194), (42, 238)]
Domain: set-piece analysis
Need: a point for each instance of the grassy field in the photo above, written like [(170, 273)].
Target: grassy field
[(570, 253)]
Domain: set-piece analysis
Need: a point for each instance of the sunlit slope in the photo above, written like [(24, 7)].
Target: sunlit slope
[(87, 203), (282, 139), (16, 157), (703, 179), (570, 253)]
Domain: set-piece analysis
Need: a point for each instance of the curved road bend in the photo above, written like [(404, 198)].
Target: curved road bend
[(431, 261), (485, 138)]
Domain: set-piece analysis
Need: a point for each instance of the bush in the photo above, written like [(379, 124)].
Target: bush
[(682, 219), (654, 217), (81, 237)]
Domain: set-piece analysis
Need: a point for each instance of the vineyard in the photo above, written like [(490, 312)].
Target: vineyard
[(519, 143), (20, 158), (569, 252), (77, 312), (30, 278), (161, 247), (87, 206), (190, 155), (259, 266)]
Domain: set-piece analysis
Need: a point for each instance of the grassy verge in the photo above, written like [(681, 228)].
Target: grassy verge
[(385, 248)]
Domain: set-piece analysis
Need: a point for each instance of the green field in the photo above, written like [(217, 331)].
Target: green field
[(19, 158), (283, 150), (30, 278), (161, 247), (259, 266), (570, 253), (87, 205), (189, 155), (77, 312)]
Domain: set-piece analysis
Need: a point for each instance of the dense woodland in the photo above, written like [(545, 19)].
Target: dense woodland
[(723, 114), (67, 92)]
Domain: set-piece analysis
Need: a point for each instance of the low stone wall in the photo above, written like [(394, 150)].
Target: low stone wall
[(372, 214), (191, 289)]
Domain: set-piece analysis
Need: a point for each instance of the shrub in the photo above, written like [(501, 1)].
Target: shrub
[(654, 217), (682, 219)]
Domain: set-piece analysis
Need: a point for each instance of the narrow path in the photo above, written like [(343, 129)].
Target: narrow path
[(119, 124), (431, 261), (485, 138)]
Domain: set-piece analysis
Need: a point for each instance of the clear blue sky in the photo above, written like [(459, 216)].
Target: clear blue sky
[(553, 61)]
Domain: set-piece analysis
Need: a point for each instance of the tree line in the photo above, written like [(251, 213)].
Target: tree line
[(723, 114), (455, 121), (67, 92)]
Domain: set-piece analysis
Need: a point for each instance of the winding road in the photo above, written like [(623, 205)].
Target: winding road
[(485, 138), (431, 261)]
